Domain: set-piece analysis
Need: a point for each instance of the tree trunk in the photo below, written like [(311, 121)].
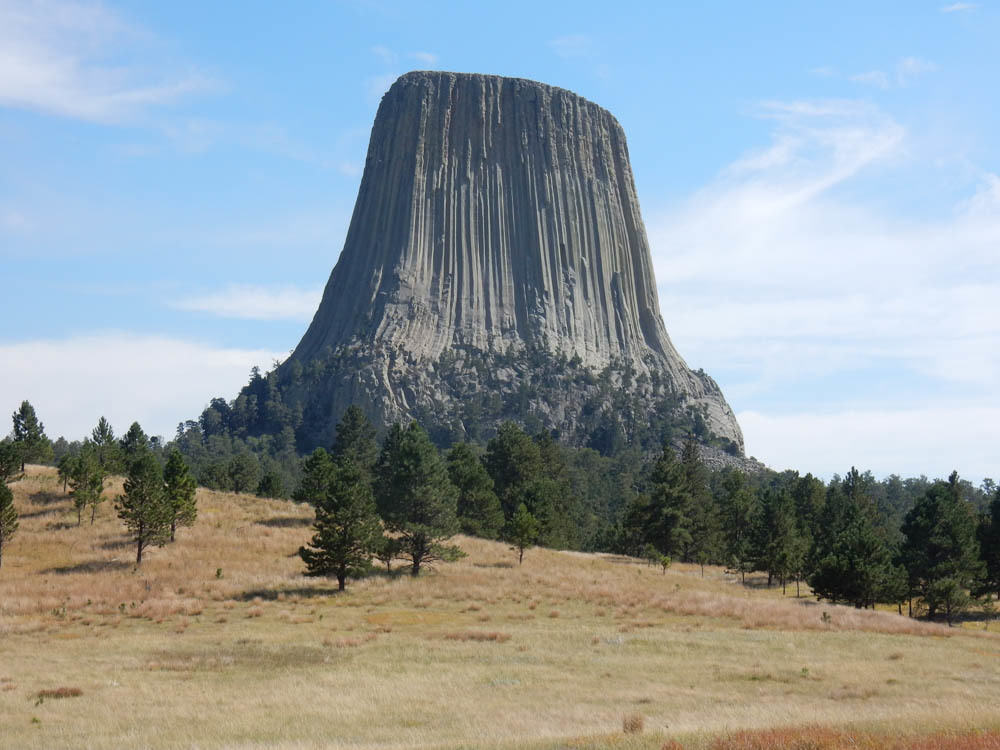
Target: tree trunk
[(415, 570), (93, 513), (340, 581), (520, 555), (79, 515), (797, 594), (173, 528), (138, 553)]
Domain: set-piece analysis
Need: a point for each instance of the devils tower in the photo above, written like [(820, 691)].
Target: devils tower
[(497, 267)]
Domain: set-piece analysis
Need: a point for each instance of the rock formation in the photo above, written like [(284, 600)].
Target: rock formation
[(497, 266)]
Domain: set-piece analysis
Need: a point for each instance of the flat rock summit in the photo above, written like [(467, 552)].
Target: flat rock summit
[(497, 267)]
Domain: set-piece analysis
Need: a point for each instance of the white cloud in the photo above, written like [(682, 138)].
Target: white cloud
[(876, 78), (910, 67), (157, 381), (958, 7), (788, 278), (930, 440), (425, 58), (65, 58), (256, 303), (571, 45)]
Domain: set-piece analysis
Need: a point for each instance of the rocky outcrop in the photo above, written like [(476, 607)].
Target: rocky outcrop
[(497, 225)]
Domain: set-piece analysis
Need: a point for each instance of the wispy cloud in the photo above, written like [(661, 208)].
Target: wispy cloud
[(255, 303), (66, 59), (910, 67), (155, 380), (572, 45), (784, 279), (958, 7), (425, 58), (877, 78)]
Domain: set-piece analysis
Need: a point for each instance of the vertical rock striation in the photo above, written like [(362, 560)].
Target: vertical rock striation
[(496, 217)]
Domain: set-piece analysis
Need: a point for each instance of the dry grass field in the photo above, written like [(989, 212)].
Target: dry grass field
[(218, 641)]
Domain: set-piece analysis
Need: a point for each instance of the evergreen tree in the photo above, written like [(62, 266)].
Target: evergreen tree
[(317, 476), (522, 531), (347, 527), (670, 504), (418, 501), (513, 461), (738, 509), (777, 543), (10, 459), (388, 458), (143, 506), (989, 548), (243, 471), (940, 550), (65, 468), (133, 445), (180, 488), (108, 451), (355, 440), (706, 534), (478, 508), (86, 482), (271, 485), (29, 434), (8, 518), (852, 562)]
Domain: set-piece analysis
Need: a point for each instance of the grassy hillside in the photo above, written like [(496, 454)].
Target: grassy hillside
[(219, 641)]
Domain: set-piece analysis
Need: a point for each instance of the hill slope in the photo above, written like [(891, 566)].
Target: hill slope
[(218, 641)]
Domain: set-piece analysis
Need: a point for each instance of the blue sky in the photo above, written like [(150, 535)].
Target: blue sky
[(820, 183)]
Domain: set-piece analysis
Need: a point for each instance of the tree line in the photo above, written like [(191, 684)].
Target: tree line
[(933, 546), (158, 492)]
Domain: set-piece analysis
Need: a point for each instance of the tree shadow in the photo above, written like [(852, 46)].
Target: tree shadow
[(60, 525), (90, 566), (272, 595), (117, 544), (39, 513), (47, 498), (286, 522)]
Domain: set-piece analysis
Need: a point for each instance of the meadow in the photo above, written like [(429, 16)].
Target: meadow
[(219, 641)]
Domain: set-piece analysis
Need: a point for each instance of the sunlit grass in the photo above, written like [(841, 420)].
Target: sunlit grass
[(219, 641)]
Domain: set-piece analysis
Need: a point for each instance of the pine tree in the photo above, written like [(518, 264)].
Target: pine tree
[(10, 459), (65, 468), (180, 488), (738, 508), (522, 531), (347, 527), (317, 475), (513, 461), (670, 507), (108, 451), (940, 550), (417, 500), (143, 506), (989, 548), (706, 535), (852, 562), (355, 440), (478, 508), (86, 482), (133, 444), (777, 538), (8, 518), (29, 434)]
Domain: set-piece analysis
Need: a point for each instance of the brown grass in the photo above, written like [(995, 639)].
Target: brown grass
[(172, 655), (60, 692), (828, 738), (633, 723)]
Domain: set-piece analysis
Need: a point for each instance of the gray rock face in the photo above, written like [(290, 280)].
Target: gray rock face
[(495, 215)]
